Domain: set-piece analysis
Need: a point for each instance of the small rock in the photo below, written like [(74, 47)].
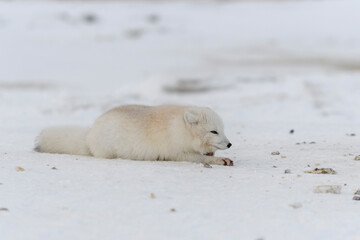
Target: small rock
[(357, 158), (312, 142), (292, 131), (206, 165), (134, 33), (287, 171), (19, 169), (357, 192), (54, 168), (298, 143), (90, 18), (357, 198), (152, 195), (4, 209), (275, 153), (335, 189), (172, 210), (153, 18), (274, 166), (352, 134), (295, 205)]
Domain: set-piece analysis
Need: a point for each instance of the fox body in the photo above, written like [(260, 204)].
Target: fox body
[(168, 132)]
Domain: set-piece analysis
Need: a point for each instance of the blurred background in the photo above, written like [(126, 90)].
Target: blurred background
[(271, 60)]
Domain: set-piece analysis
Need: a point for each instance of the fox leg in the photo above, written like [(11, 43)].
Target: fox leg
[(199, 158)]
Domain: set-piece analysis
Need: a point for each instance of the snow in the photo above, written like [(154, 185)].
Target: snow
[(265, 66)]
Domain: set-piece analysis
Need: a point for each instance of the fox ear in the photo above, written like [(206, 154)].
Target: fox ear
[(191, 117)]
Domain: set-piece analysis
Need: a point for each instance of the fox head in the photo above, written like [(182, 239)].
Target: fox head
[(206, 129)]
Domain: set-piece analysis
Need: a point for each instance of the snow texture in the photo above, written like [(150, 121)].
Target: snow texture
[(284, 76)]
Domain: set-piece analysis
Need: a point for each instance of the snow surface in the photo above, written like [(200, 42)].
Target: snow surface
[(265, 67)]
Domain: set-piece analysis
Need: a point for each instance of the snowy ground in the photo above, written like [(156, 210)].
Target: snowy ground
[(265, 67)]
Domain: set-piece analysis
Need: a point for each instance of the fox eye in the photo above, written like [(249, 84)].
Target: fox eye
[(214, 132)]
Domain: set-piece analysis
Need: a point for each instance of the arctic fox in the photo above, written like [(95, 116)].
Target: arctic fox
[(168, 132)]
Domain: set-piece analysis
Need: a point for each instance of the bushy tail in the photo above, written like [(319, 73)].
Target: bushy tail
[(67, 139)]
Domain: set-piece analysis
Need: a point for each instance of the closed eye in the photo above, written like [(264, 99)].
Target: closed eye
[(214, 132)]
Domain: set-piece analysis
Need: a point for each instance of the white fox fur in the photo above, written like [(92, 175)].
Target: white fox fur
[(176, 133)]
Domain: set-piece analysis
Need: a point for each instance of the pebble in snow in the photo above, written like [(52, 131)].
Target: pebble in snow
[(206, 165), (19, 169), (296, 205)]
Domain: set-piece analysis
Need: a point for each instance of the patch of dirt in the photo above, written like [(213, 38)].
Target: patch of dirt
[(321, 171), (335, 189), (184, 86), (25, 85)]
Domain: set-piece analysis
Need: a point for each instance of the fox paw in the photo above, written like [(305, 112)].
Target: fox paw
[(227, 162)]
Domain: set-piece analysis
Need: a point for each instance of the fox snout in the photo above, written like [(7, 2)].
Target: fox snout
[(223, 145)]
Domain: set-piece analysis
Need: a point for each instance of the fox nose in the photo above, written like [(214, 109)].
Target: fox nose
[(229, 145)]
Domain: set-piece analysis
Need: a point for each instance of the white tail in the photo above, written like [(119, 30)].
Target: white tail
[(67, 139)]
